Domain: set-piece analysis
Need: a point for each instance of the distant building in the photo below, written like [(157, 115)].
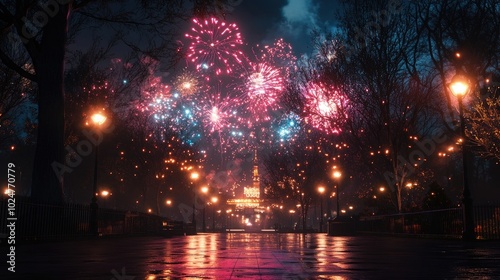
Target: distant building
[(249, 208)]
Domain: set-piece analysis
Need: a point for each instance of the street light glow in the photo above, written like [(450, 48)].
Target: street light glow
[(214, 199), (321, 189), (195, 175), (459, 85), (337, 174), (98, 119), (105, 193), (204, 189)]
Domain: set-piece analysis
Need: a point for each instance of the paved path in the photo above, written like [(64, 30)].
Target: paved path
[(257, 256)]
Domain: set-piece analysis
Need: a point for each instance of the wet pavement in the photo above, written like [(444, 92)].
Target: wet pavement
[(257, 256)]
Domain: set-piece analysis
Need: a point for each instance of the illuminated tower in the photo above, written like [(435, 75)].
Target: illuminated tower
[(256, 179)]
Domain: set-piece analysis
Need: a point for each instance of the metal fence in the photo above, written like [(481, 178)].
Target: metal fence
[(445, 222), (36, 222)]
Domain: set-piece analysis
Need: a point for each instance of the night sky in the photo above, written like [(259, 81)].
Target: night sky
[(261, 21)]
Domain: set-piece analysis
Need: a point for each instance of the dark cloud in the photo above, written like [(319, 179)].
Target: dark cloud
[(264, 21), (257, 18)]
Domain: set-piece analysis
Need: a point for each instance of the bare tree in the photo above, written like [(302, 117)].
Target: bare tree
[(460, 36), (41, 30), (295, 171), (376, 60), (15, 91), (484, 123)]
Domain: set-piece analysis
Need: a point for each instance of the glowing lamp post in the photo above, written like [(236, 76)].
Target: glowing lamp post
[(168, 202), (460, 87), (204, 190), (336, 175), (321, 191), (104, 194), (194, 176), (97, 120), (214, 200)]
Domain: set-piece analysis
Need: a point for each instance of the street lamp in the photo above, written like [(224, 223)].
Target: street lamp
[(97, 119), (459, 87), (337, 174), (214, 200), (168, 202), (321, 190), (194, 176), (204, 190), (104, 194)]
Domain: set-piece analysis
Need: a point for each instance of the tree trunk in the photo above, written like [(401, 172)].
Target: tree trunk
[(47, 184), (398, 193)]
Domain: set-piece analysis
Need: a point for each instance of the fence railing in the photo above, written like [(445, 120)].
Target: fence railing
[(70, 221), (445, 222)]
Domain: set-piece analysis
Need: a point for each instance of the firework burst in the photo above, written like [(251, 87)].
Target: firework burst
[(216, 113), (280, 54), (153, 95), (287, 128), (187, 83), (263, 87), (325, 107), (215, 44)]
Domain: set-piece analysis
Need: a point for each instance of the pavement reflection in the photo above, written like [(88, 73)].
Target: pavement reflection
[(260, 256)]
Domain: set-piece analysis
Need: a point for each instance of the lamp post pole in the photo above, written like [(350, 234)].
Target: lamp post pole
[(194, 176), (321, 190), (321, 213), (338, 204), (193, 219), (337, 174), (204, 190), (214, 200), (468, 233), (459, 87), (97, 119), (213, 220), (93, 205)]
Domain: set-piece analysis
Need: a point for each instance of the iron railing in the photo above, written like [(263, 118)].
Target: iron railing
[(70, 221), (444, 222)]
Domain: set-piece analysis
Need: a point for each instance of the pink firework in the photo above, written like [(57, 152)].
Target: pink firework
[(280, 54), (325, 107), (215, 44), (216, 113), (153, 91), (264, 84)]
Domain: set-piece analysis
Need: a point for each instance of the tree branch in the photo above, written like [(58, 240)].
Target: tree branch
[(12, 65)]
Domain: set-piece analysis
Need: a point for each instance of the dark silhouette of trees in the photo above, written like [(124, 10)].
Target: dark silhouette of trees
[(435, 198), (376, 61), (42, 30), (469, 28), (484, 122), (295, 172), (15, 94)]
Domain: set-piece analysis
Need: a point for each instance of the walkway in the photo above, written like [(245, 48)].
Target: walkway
[(257, 256)]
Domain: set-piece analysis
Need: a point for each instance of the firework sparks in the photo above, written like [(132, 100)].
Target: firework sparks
[(187, 83), (215, 44), (216, 113), (279, 54), (325, 107), (287, 127), (263, 87)]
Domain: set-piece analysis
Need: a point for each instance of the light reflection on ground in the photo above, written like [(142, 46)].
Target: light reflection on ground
[(258, 256), (312, 256)]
